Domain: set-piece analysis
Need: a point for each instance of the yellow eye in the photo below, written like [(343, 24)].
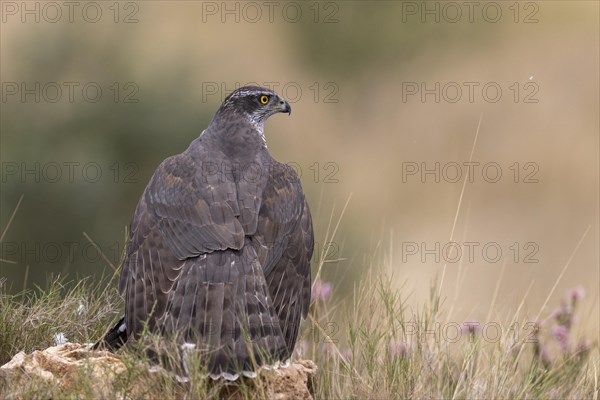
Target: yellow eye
[(264, 99)]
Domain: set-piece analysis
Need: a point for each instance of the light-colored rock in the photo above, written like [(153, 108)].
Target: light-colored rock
[(73, 370), (61, 367), (293, 382)]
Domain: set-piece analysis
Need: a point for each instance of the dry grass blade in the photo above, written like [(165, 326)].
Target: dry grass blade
[(12, 216)]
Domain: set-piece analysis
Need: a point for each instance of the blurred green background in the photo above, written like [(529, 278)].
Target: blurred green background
[(355, 73)]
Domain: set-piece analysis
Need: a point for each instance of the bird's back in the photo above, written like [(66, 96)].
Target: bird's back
[(219, 253)]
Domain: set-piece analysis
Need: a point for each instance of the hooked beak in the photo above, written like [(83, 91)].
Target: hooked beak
[(283, 106)]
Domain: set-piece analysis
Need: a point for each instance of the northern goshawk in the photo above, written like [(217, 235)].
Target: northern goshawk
[(219, 247)]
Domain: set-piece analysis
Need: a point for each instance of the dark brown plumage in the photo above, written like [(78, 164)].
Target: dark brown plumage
[(220, 245)]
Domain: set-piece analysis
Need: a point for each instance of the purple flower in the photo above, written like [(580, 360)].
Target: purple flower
[(557, 313), (563, 315), (576, 294), (583, 346), (561, 334), (347, 355), (398, 348), (471, 328), (321, 291)]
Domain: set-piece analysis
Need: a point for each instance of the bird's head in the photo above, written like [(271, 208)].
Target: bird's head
[(257, 103)]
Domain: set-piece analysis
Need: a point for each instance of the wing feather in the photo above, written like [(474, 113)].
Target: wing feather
[(194, 215), (285, 242), (219, 262)]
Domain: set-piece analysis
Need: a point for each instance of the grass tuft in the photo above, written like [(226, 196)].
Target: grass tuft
[(367, 344)]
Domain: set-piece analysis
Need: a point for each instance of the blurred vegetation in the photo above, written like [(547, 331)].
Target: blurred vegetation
[(366, 52), (368, 345), (361, 37)]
